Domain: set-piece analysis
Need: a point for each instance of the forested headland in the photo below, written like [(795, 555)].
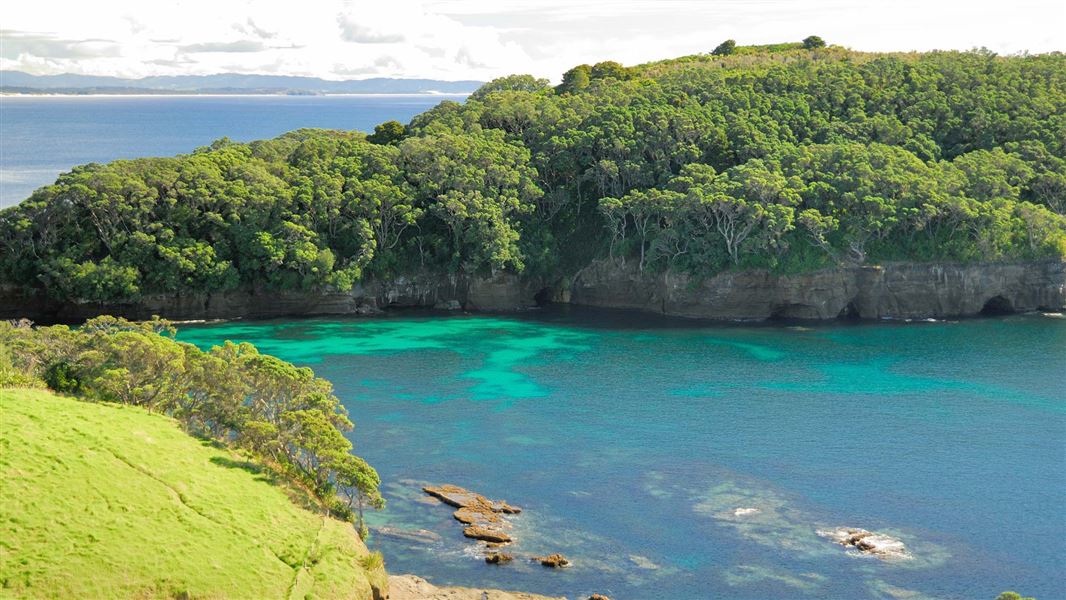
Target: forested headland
[(787, 158)]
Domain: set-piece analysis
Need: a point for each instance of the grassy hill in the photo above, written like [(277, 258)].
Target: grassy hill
[(107, 501)]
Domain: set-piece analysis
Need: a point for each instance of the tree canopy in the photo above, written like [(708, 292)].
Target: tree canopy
[(786, 157)]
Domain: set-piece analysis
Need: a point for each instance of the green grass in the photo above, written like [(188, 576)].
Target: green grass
[(105, 501)]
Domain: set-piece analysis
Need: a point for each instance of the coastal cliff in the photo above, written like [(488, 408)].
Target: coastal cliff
[(898, 291), (894, 290)]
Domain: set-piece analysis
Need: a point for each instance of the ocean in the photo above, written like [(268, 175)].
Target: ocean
[(43, 136)]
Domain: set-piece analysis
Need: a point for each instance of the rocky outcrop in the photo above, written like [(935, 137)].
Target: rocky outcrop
[(898, 290), (554, 561), (893, 290), (480, 515), (880, 545), (410, 587)]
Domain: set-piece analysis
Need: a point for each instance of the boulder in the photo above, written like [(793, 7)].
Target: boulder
[(498, 558), (598, 597), (552, 560)]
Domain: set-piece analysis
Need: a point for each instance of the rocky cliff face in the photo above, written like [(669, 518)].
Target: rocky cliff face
[(870, 292), (423, 290)]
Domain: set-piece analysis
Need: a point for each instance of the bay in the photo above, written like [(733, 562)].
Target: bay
[(630, 441)]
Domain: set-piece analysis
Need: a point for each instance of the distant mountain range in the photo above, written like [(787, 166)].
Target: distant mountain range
[(223, 83)]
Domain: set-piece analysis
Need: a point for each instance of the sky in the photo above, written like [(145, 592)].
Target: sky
[(480, 39)]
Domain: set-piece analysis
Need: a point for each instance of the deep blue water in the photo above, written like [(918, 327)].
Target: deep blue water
[(43, 136), (630, 441)]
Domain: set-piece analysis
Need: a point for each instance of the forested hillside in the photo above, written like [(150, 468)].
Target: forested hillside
[(789, 158)]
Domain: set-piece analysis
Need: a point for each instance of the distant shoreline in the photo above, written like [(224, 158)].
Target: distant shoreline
[(214, 95)]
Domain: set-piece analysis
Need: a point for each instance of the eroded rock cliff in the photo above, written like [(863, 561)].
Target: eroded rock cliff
[(897, 290), (868, 292)]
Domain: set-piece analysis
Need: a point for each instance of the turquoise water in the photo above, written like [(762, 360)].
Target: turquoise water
[(43, 136), (631, 440)]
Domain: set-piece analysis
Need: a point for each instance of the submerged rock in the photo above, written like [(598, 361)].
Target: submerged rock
[(552, 560), (876, 544), (423, 536)]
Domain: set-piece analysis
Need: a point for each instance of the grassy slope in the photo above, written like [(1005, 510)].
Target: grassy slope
[(102, 501)]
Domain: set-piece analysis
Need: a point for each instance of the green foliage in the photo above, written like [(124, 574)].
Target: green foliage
[(725, 48), (812, 41), (373, 561), (511, 83), (575, 79), (388, 132), (803, 160), (1013, 596), (283, 414)]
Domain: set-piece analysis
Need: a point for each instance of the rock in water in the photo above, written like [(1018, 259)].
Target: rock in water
[(876, 544), (458, 497), (487, 535), (498, 558), (478, 513), (598, 597), (552, 560)]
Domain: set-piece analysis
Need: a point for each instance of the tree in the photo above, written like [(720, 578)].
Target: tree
[(1012, 596), (359, 484), (478, 186), (812, 41), (511, 83), (609, 69), (574, 80), (725, 48), (388, 132)]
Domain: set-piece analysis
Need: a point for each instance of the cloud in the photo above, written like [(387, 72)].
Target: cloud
[(18, 43), (481, 39), (237, 46), (360, 34), (250, 28)]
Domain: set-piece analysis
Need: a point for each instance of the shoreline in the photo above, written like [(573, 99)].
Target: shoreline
[(872, 293), (250, 95)]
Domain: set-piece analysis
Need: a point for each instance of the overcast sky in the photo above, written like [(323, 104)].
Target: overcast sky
[(479, 39)]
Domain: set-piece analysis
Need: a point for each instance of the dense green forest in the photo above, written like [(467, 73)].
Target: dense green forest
[(789, 157), (283, 415)]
